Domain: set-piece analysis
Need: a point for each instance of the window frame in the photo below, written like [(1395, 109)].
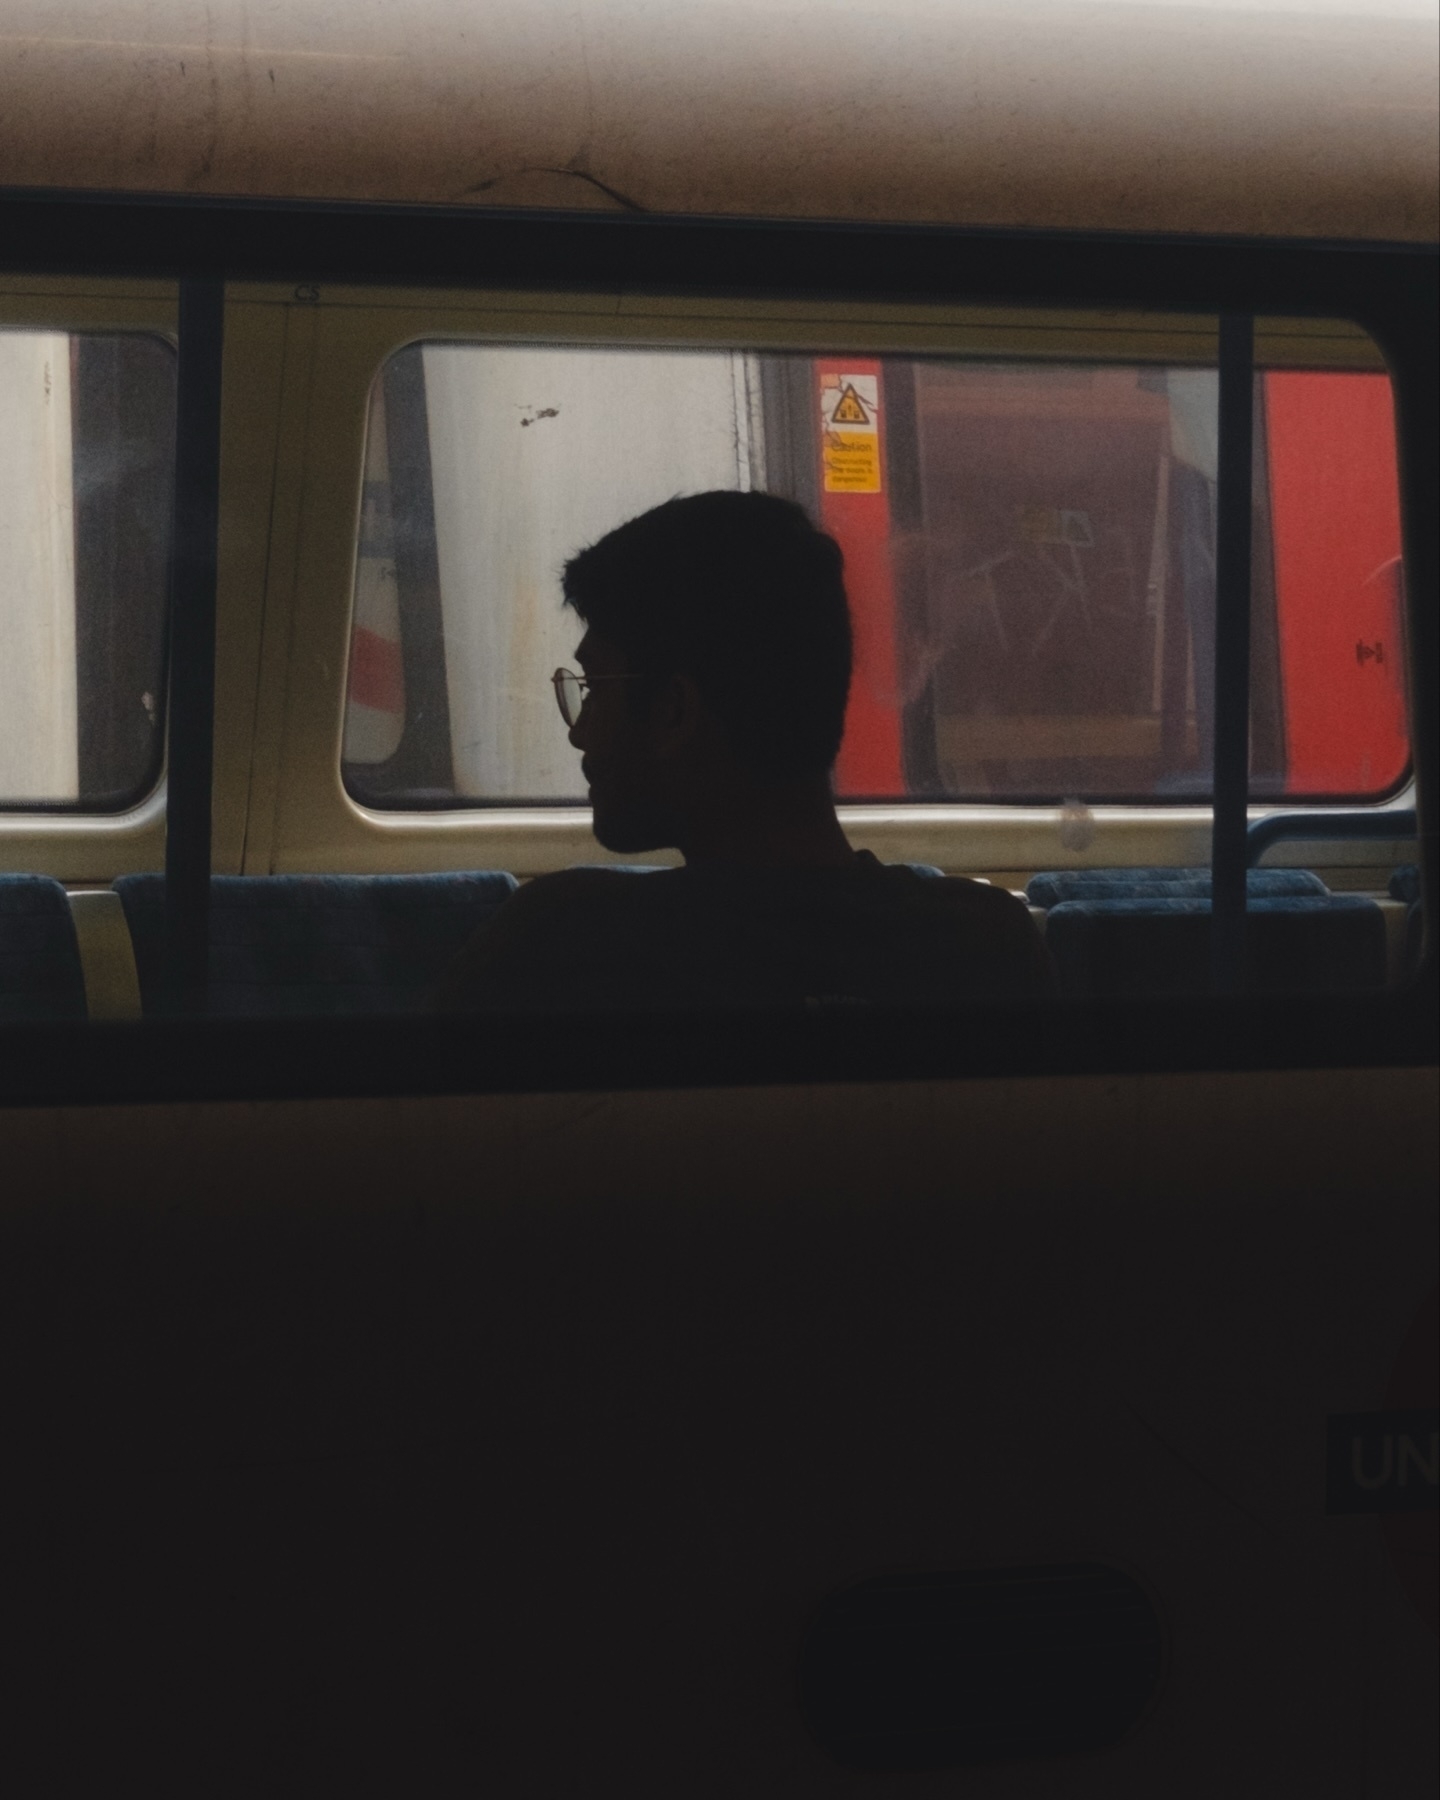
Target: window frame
[(65, 838), (1389, 291), (318, 824), (1031, 337), (67, 841)]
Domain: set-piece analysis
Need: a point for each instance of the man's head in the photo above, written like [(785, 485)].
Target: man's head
[(726, 614)]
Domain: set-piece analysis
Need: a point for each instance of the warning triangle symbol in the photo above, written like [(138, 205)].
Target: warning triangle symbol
[(849, 408)]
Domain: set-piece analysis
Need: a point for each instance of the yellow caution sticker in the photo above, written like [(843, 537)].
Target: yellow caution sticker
[(850, 433)]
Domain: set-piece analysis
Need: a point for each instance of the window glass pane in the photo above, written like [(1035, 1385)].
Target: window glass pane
[(1056, 584), (86, 472), (1338, 597), (1029, 554)]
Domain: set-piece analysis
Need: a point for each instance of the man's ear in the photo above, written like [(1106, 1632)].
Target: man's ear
[(678, 715)]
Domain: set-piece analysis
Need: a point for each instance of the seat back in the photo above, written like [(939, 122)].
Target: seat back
[(1312, 944), (1405, 887), (1405, 884), (40, 973), (317, 945)]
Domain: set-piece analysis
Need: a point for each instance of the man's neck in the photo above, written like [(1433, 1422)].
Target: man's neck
[(786, 825)]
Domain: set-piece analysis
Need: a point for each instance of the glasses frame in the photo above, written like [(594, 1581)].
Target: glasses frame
[(585, 683)]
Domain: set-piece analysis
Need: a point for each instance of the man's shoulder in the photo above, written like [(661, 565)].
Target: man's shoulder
[(961, 919), (582, 885), (545, 937), (983, 898), (980, 899)]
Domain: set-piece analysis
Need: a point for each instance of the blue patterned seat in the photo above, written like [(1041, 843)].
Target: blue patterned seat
[(317, 945), (1333, 943), (40, 973), (1054, 887)]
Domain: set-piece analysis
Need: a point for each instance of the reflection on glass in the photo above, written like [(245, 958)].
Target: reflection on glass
[(86, 471)]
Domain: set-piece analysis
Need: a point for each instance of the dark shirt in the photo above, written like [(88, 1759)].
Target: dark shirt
[(598, 939)]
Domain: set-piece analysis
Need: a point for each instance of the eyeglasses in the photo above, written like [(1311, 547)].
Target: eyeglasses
[(571, 689)]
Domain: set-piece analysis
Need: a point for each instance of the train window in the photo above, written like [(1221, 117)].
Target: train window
[(1029, 551), (86, 477)]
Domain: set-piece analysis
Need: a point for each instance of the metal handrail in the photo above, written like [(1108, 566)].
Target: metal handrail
[(1398, 822)]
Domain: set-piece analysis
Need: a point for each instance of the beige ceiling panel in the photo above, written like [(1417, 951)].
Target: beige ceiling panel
[(1291, 118)]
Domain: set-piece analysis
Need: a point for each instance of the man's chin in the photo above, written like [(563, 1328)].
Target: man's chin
[(627, 833)]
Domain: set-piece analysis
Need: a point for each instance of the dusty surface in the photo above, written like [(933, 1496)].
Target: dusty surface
[(1220, 115)]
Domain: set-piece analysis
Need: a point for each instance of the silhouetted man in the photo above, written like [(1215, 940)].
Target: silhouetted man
[(708, 711)]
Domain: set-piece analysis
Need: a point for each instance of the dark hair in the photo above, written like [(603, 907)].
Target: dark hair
[(742, 593)]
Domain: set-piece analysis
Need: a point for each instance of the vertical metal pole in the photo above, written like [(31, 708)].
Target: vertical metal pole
[(192, 641), (1232, 652)]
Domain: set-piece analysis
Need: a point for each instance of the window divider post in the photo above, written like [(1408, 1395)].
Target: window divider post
[(193, 571), (1231, 774)]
